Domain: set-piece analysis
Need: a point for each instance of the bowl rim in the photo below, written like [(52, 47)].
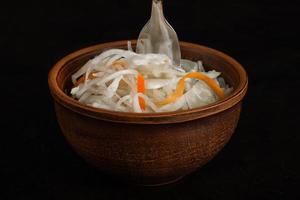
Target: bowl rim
[(145, 118)]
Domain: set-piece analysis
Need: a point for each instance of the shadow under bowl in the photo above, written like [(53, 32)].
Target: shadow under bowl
[(151, 148)]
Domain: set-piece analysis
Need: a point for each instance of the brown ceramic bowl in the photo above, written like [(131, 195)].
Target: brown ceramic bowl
[(148, 149)]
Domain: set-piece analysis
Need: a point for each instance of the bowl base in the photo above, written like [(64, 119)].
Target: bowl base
[(165, 183)]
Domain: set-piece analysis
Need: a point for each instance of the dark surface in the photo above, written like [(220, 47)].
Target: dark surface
[(260, 161)]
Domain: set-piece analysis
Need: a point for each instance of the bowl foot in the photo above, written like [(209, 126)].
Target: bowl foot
[(160, 184)]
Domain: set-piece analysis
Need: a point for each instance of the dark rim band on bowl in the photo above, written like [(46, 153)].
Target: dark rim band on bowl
[(146, 118)]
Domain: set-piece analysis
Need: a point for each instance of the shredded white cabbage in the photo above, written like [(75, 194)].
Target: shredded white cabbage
[(114, 86)]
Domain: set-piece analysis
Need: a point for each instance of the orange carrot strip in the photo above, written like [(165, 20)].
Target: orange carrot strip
[(141, 89), (180, 87)]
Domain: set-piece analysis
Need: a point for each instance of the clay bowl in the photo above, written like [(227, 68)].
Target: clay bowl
[(148, 149)]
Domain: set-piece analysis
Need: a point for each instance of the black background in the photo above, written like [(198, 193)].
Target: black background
[(260, 161)]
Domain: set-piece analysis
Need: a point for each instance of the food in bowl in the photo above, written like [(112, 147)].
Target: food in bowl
[(122, 80)]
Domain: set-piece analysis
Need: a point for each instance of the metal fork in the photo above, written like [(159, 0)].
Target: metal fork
[(158, 36)]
